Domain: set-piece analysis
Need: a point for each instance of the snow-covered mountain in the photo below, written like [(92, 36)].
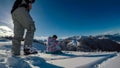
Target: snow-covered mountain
[(114, 37), (5, 31), (108, 42)]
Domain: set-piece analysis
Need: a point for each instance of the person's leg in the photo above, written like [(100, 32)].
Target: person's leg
[(28, 49), (18, 36), (29, 36), (27, 22)]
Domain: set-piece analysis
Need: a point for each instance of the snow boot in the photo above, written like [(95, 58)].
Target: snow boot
[(30, 50)]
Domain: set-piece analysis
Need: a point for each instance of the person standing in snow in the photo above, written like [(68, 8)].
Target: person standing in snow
[(53, 46), (22, 20)]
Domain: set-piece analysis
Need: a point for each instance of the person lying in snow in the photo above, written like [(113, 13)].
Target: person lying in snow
[(53, 46)]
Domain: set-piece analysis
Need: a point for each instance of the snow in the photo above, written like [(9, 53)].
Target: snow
[(70, 59), (112, 63), (82, 61)]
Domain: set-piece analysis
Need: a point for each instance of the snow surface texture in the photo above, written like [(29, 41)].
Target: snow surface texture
[(70, 59)]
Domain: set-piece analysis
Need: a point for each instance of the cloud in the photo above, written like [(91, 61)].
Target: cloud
[(5, 31), (41, 38), (46, 37), (109, 32)]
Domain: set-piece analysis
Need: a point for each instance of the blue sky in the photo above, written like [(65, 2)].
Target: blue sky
[(70, 17)]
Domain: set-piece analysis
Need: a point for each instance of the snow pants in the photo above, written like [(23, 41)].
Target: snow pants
[(22, 20)]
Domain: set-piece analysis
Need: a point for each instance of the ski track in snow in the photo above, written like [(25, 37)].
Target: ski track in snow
[(68, 56), (96, 64)]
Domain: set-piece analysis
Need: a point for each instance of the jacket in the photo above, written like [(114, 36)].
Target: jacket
[(53, 45), (21, 3)]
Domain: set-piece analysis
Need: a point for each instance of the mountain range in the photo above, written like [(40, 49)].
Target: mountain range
[(108, 42)]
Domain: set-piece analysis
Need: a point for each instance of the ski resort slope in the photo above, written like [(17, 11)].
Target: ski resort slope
[(70, 59)]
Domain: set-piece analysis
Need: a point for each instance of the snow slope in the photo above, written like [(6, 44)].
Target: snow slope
[(70, 59), (112, 63)]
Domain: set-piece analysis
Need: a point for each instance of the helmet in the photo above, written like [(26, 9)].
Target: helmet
[(54, 36)]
